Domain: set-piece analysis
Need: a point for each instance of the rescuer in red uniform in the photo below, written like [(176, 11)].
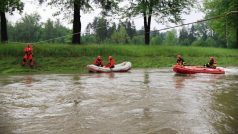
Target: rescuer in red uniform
[(98, 61), (212, 63), (28, 55), (111, 63), (180, 60)]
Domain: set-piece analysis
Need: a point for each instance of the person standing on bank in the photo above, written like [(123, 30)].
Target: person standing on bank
[(28, 55)]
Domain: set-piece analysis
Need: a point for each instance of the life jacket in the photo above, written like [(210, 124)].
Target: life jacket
[(215, 63), (212, 63), (98, 62), (28, 50), (180, 61), (111, 63)]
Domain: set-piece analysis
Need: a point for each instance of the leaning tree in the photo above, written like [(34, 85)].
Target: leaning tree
[(8, 6)]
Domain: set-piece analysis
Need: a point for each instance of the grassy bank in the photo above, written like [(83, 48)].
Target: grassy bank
[(73, 58)]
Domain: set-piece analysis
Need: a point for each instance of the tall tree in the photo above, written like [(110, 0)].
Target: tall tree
[(53, 30), (130, 28), (8, 6), (158, 38), (226, 27), (183, 37), (48, 31), (121, 35), (165, 10), (60, 31), (100, 27), (170, 38), (202, 31), (192, 35), (88, 29), (111, 29), (75, 7), (28, 28)]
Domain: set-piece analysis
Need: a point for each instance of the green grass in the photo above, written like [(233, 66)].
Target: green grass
[(53, 58)]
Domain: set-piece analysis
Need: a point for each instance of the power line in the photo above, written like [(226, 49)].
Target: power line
[(57, 38), (199, 21)]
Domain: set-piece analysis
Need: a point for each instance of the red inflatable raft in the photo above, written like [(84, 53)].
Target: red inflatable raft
[(196, 69)]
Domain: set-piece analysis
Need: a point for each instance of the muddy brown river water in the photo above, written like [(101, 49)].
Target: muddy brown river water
[(139, 102)]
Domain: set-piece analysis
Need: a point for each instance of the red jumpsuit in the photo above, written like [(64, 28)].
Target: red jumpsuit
[(98, 62), (28, 55), (111, 63)]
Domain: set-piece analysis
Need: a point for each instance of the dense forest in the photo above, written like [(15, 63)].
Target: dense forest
[(220, 29)]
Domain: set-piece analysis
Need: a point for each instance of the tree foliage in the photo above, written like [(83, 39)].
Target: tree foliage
[(226, 27), (8, 6), (74, 7), (120, 36), (130, 28), (183, 37), (164, 10), (11, 6), (100, 27), (171, 38), (29, 29), (158, 39), (199, 34), (53, 30)]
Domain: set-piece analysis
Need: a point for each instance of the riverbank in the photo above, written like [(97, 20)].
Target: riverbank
[(51, 58)]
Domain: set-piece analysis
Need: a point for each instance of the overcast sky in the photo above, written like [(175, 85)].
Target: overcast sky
[(46, 12)]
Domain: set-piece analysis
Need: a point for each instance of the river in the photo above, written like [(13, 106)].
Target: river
[(143, 101)]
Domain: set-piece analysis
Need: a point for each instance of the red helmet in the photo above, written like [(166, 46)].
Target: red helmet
[(99, 57), (211, 58), (110, 57)]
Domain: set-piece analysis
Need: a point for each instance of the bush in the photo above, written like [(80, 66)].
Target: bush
[(211, 42), (137, 40), (90, 39), (199, 42), (156, 40)]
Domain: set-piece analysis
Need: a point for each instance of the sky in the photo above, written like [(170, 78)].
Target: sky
[(46, 12)]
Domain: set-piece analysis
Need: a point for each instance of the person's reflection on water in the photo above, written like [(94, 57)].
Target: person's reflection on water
[(179, 80), (111, 75), (28, 80)]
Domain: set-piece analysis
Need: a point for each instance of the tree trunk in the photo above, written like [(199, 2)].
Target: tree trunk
[(147, 24), (146, 34), (76, 24), (147, 29), (4, 37)]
